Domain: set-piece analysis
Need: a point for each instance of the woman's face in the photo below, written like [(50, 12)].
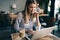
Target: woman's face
[(32, 8)]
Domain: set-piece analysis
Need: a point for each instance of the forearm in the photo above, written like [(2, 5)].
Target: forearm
[(37, 21), (38, 25)]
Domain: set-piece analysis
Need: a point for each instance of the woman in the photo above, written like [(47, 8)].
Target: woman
[(28, 19)]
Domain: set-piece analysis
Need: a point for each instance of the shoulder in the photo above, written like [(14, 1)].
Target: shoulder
[(20, 15)]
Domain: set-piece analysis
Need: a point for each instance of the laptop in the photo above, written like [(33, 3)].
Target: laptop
[(43, 32)]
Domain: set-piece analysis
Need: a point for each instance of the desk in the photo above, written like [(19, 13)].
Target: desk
[(43, 15), (15, 36)]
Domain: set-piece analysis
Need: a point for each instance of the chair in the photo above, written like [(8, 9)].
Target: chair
[(5, 27)]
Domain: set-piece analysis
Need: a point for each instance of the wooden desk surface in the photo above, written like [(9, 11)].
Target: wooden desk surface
[(43, 15), (15, 36)]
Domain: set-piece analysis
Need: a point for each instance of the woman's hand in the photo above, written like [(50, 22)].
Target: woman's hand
[(30, 32), (36, 14)]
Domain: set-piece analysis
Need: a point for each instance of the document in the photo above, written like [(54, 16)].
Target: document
[(43, 32)]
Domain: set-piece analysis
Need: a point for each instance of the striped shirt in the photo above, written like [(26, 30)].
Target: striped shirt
[(19, 24)]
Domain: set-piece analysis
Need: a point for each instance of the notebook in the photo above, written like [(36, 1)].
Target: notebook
[(43, 32)]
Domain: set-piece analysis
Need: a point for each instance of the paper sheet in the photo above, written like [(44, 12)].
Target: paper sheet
[(42, 33)]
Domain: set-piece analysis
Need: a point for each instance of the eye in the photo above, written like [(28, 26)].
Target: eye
[(31, 7), (34, 7)]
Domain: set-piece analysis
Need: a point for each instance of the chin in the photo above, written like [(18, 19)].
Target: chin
[(32, 12)]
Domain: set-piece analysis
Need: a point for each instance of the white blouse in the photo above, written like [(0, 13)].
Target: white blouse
[(19, 24)]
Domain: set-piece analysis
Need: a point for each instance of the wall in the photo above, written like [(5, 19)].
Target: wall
[(5, 4)]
